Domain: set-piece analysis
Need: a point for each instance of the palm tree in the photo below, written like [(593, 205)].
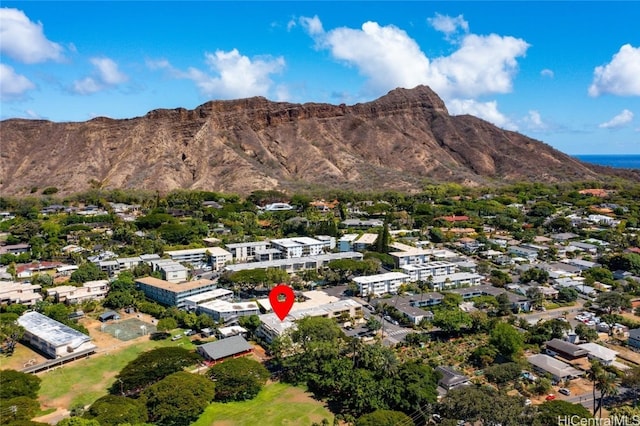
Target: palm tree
[(604, 382)]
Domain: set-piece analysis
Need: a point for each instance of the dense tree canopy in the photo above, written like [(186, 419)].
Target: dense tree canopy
[(15, 383), (178, 399), (384, 418), (151, 366), (114, 410), (238, 379), (507, 340)]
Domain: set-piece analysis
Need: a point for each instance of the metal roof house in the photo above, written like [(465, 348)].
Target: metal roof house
[(51, 337), (221, 349), (559, 370), (567, 350)]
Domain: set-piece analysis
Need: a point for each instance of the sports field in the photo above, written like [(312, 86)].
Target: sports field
[(277, 404)]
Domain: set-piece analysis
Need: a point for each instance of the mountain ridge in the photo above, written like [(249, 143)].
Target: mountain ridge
[(398, 141)]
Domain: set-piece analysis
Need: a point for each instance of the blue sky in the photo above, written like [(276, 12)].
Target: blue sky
[(566, 73)]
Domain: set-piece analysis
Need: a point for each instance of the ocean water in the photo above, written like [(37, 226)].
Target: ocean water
[(620, 161)]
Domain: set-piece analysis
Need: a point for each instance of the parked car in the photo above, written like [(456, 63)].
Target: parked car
[(176, 337), (189, 332), (550, 397), (564, 391)]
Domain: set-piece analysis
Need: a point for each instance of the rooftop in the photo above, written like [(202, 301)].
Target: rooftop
[(51, 331), (172, 287), (226, 347)]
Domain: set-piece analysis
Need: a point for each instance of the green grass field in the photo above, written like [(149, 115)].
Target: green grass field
[(277, 404), (86, 380)]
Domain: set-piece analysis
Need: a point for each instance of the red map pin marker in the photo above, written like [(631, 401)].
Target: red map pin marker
[(281, 298)]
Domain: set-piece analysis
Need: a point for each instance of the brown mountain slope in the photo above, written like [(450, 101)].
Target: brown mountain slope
[(396, 142)]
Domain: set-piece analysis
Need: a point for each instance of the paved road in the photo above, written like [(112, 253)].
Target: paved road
[(553, 313)]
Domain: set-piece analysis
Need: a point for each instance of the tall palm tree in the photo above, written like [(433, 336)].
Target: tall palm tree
[(604, 382), (593, 374)]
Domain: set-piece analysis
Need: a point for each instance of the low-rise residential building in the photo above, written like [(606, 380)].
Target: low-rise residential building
[(422, 271), (241, 252), (603, 354), (171, 270), (364, 242), (345, 243), (414, 256), (456, 280), (296, 264), (218, 257), (172, 294), (192, 302), (91, 290), (271, 326), (566, 350), (529, 254), (225, 311), (51, 337), (451, 378), (298, 247), (20, 293), (381, 284), (559, 371)]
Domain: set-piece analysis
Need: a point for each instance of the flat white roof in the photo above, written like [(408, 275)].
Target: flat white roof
[(211, 294), (293, 261), (224, 306), (349, 237), (381, 277), (187, 251), (247, 244), (218, 251), (367, 239), (315, 298)]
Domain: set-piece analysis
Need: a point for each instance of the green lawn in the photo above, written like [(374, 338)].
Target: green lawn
[(277, 404), (86, 380)]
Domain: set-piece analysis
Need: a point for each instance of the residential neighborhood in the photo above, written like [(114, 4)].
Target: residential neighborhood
[(528, 291)]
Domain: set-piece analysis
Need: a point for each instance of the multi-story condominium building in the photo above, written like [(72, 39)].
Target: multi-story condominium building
[(411, 257), (271, 326), (422, 271), (241, 252), (456, 280), (295, 264), (171, 294), (345, 243), (170, 270), (381, 284), (191, 303), (222, 310), (298, 246), (216, 256)]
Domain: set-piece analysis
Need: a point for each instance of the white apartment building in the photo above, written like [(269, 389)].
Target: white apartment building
[(456, 280), (381, 284), (222, 310), (13, 292), (189, 255), (414, 256), (91, 290), (171, 270), (241, 252), (298, 247), (422, 271), (218, 257), (191, 303), (271, 326)]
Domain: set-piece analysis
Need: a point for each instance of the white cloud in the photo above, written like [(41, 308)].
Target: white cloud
[(547, 73), (24, 40), (449, 25), (312, 25), (157, 64), (388, 58), (291, 24), (13, 86), (486, 110), (534, 121), (105, 76), (108, 71), (619, 77), (618, 121), (235, 75)]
